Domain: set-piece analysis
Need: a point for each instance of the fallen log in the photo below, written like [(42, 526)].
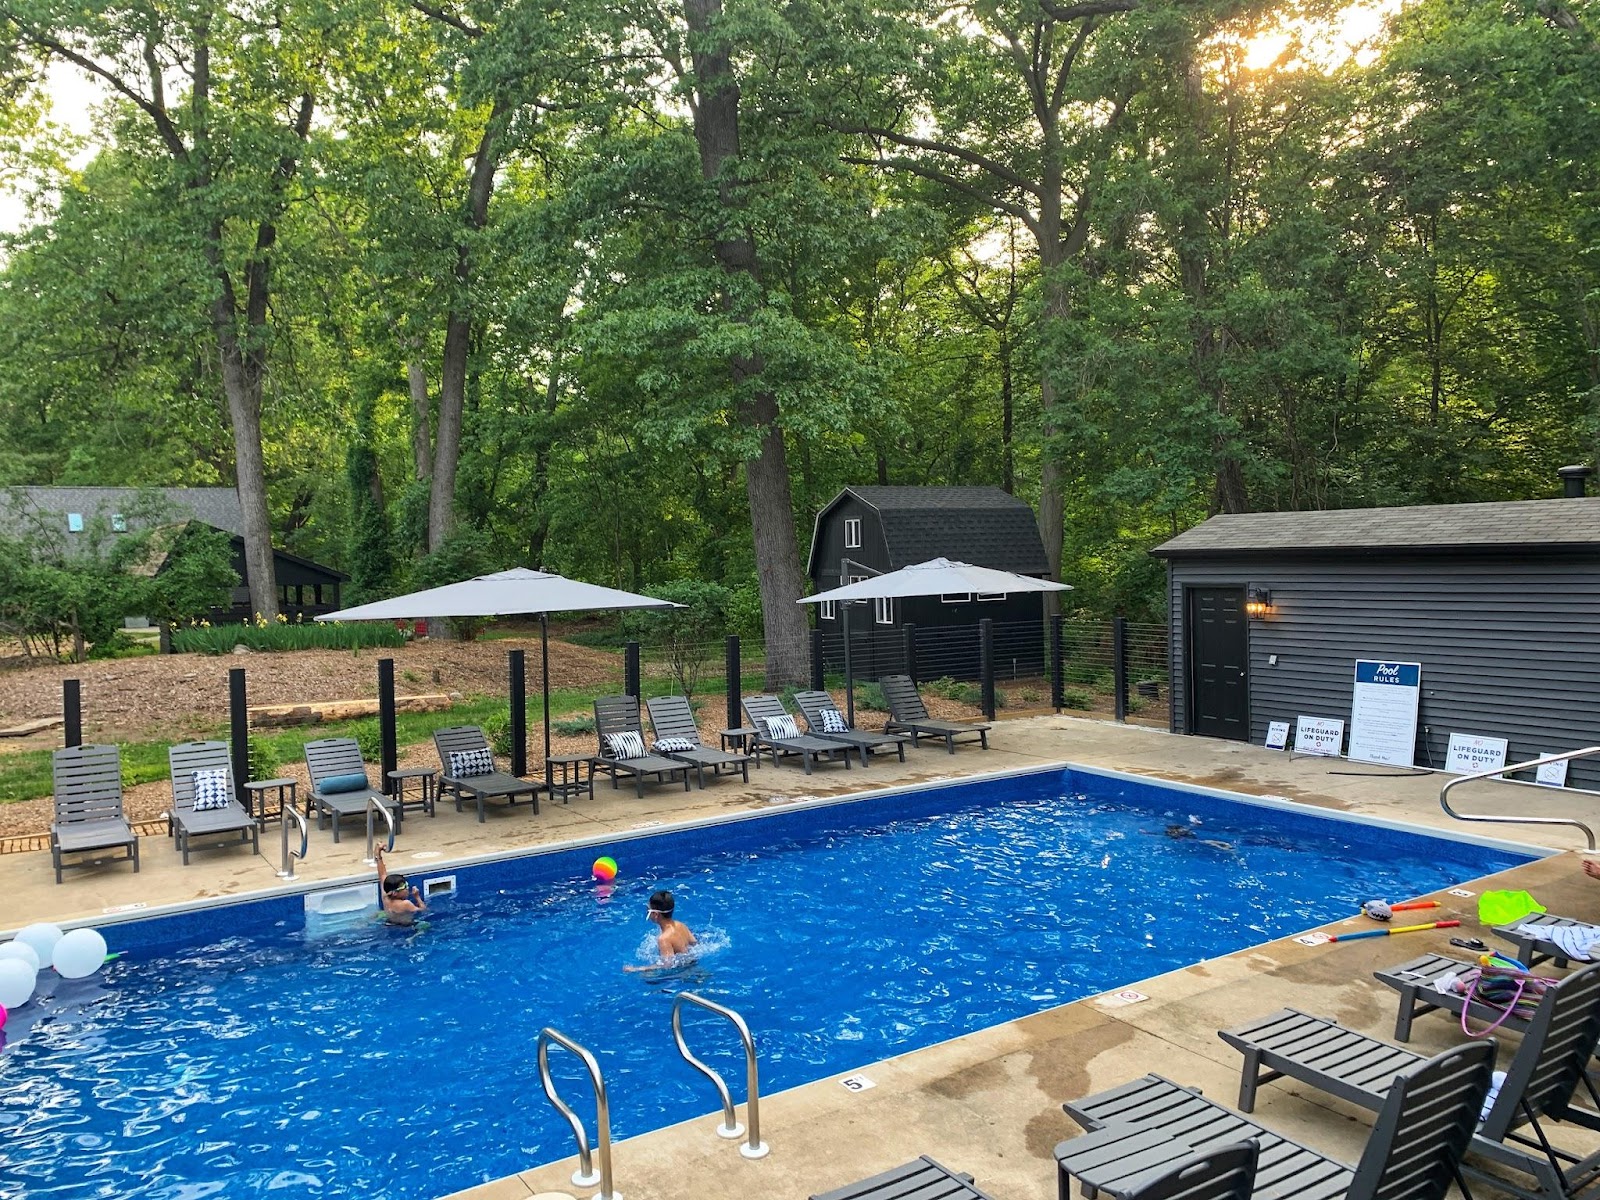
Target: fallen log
[(316, 712)]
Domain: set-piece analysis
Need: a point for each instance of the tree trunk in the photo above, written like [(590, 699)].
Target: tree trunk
[(421, 418), (715, 115), (241, 384)]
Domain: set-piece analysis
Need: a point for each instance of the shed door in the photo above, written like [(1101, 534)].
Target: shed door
[(1218, 662)]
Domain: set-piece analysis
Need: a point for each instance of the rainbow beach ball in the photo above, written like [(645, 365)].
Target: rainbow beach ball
[(604, 869)]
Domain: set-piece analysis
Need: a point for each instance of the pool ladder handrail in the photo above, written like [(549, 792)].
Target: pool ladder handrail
[(373, 802), (586, 1174), (287, 870), (754, 1147), (1531, 764)]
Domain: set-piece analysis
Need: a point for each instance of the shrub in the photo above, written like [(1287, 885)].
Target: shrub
[(121, 644), (688, 637), (286, 635), (1031, 696), (573, 724), (1076, 698), (1137, 704), (1081, 672), (498, 730), (370, 739), (263, 758), (870, 697)]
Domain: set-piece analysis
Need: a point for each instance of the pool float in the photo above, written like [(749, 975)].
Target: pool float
[(1366, 933)]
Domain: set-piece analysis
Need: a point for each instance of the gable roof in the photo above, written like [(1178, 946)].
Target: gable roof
[(1489, 527), (984, 526), (215, 506)]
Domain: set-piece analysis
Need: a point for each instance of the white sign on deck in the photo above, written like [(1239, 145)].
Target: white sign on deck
[(1121, 999), (1383, 712), (1277, 735), (1551, 774), (858, 1083), (1318, 735), (1470, 753)]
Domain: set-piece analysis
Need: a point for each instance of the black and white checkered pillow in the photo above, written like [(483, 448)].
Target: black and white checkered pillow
[(211, 789), (627, 744), (672, 745), (833, 721), (782, 727), (464, 764)]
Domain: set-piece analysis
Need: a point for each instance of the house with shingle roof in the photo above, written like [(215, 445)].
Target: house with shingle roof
[(1499, 603), (871, 530)]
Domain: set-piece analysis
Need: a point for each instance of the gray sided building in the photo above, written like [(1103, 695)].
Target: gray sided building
[(1499, 602)]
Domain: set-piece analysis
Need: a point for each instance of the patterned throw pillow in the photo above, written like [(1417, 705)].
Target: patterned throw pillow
[(833, 721), (464, 764), (782, 727), (211, 789), (672, 745), (627, 744)]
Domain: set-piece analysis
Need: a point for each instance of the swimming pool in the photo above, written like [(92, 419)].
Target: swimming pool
[(247, 1050)]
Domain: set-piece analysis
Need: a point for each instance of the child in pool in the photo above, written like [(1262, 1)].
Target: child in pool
[(401, 903), (675, 938)]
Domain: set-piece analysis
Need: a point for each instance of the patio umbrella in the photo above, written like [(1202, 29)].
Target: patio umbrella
[(936, 577), (514, 593)]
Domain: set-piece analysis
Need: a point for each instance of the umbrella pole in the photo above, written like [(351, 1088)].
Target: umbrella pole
[(544, 680), (849, 674)]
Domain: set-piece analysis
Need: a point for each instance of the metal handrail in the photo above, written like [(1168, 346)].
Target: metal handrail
[(289, 810), (754, 1147), (585, 1175), (373, 802), (1492, 772)]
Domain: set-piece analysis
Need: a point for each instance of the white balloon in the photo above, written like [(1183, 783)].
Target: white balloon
[(16, 982), (79, 954), (42, 937), (20, 950)]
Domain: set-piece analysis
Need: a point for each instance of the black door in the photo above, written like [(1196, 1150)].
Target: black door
[(1218, 657)]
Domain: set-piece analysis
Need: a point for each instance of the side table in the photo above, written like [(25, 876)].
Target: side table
[(575, 776), (429, 781), (256, 797), (738, 741)]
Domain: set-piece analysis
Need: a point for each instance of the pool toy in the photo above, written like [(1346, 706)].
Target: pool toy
[(604, 869), (1503, 907), (79, 954), (1366, 933), (1381, 910), (16, 982), (3, 1015), (22, 951), (43, 937)]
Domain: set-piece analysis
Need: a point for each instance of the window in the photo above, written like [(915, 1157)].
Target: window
[(858, 579), (982, 596), (74, 522), (827, 613), (885, 608), (955, 597), (119, 523), (852, 534)]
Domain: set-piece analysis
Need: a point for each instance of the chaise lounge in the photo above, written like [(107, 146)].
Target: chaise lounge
[(824, 720), (340, 785), (672, 718), (778, 734), (204, 797), (622, 748), (88, 806), (908, 714), (469, 773)]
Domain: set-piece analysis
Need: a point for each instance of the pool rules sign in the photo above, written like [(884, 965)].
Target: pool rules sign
[(1383, 712)]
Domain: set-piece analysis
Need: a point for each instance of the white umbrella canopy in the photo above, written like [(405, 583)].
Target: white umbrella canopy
[(513, 593), (936, 577)]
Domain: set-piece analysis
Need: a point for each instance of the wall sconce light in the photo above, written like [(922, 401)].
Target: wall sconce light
[(1258, 602)]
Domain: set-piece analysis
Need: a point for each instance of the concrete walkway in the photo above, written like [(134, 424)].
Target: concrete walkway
[(987, 1103)]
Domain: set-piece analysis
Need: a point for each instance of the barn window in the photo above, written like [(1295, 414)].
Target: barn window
[(119, 523), (955, 597), (982, 596), (852, 533), (885, 610), (74, 522), (827, 613)]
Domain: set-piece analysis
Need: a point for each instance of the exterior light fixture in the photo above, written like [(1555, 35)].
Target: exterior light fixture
[(1258, 602)]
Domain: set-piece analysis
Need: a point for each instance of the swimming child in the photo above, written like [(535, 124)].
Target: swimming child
[(675, 938), (401, 903)]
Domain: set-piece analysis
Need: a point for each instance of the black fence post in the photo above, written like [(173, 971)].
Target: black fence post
[(1119, 664), (1058, 665), (517, 672), (238, 733), (388, 747), (908, 631), (986, 665), (630, 668), (72, 712), (818, 683), (735, 677)]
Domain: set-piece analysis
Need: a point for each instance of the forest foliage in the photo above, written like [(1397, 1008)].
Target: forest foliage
[(605, 286)]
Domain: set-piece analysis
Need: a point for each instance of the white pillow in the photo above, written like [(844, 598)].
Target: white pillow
[(782, 727), (675, 745), (211, 789), (833, 721), (627, 744)]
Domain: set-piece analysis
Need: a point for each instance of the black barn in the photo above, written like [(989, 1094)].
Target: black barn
[(866, 531)]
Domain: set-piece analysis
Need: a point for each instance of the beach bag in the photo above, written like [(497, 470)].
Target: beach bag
[(1503, 986)]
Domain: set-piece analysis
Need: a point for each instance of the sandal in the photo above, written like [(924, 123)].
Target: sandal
[(1469, 943)]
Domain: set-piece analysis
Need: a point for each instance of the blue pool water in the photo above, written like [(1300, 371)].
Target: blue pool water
[(243, 1052)]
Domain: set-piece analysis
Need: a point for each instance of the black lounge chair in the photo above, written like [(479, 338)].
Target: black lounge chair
[(1531, 950), (1147, 1165), (620, 714), (814, 707), (1415, 980), (1413, 1153), (923, 1179), (88, 806), (759, 710), (673, 717), (186, 821), (907, 713), (492, 785), (1541, 1080), (329, 758)]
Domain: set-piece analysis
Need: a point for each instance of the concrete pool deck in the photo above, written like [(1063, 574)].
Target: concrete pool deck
[(987, 1103)]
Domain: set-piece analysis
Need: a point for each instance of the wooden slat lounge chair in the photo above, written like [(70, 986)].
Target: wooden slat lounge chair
[(814, 707), (1414, 1151), (620, 714), (329, 758), (923, 1179), (1534, 950), (1415, 980), (758, 710), (1541, 1080), (88, 806), (187, 822), (496, 785), (673, 717), (907, 713)]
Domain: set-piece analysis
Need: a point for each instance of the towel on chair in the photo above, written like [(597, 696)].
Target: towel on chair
[(1574, 941)]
